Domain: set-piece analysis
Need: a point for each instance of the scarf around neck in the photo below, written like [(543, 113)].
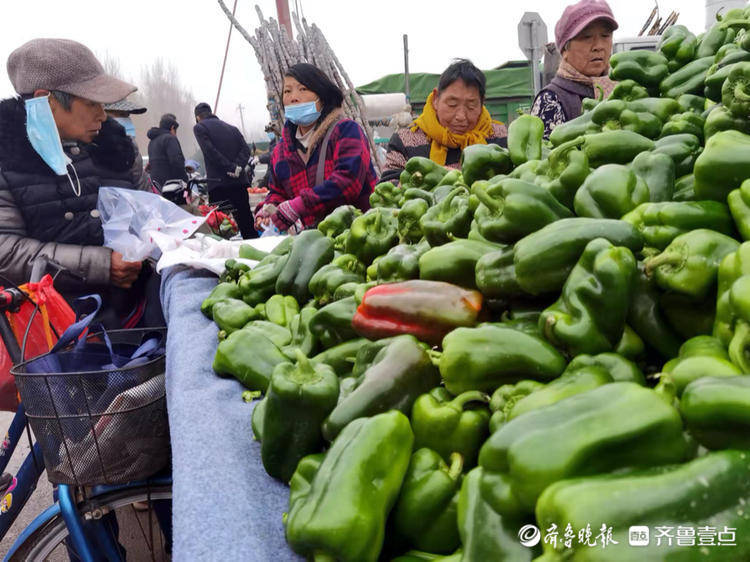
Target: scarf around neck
[(443, 139), (569, 72)]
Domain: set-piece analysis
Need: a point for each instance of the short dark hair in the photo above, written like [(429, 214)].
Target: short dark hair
[(202, 110), (314, 79), (167, 121), (464, 70)]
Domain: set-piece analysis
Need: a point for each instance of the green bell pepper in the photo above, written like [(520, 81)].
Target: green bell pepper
[(385, 194), (689, 265), (723, 165), (525, 135), (342, 515), (454, 262), (450, 425), (220, 292), (416, 193), (249, 356), (647, 319), (663, 108), (630, 346), (280, 335), (510, 209), (299, 484), (544, 258), (715, 78), (687, 80), (647, 68), (338, 220), (625, 426), (628, 90), (344, 269), (589, 316), (708, 494), (506, 396), (721, 119), (302, 338), (259, 284), (256, 419), (688, 317), (610, 192), (425, 514), (484, 161), (690, 102), (678, 45), (453, 177), (716, 37), (299, 398), (732, 268), (332, 324), (615, 114), (508, 355), (734, 91), (450, 218), (401, 262), (614, 147), (281, 310), (311, 251), (716, 411), (231, 315), (340, 357), (684, 188), (660, 223), (571, 130), (658, 171), (495, 274), (421, 172), (232, 271), (568, 168), (683, 149), (684, 123), (409, 227), (739, 206), (372, 234), (698, 357), (617, 366), (490, 517), (399, 374)]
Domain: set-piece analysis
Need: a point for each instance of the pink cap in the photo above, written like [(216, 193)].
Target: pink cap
[(577, 16)]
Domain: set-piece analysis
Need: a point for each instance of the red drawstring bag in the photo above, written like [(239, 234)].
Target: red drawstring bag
[(53, 311)]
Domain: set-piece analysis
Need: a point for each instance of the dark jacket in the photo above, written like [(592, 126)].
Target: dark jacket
[(165, 157), (223, 149), (39, 211), (405, 144)]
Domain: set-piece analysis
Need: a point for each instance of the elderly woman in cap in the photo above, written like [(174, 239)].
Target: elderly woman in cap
[(583, 36)]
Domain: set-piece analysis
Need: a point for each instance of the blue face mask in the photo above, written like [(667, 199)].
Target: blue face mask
[(43, 135), (302, 113), (271, 136), (128, 124)]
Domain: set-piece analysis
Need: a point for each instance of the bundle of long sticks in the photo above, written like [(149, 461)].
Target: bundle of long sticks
[(276, 52)]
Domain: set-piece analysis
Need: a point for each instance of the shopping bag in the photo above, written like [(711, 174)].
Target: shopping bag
[(54, 312)]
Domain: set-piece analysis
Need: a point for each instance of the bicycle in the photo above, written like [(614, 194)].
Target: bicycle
[(77, 522)]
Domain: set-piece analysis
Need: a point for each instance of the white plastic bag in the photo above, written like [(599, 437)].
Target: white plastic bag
[(130, 218)]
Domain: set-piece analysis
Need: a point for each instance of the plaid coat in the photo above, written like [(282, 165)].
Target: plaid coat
[(350, 175)]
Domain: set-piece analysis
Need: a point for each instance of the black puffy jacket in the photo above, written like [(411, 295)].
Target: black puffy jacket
[(165, 157)]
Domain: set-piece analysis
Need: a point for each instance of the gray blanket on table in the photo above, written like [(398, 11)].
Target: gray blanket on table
[(225, 506)]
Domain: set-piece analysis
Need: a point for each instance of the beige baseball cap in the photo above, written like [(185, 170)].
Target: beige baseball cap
[(64, 65)]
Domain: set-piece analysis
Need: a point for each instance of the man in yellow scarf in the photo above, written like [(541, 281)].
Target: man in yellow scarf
[(453, 118)]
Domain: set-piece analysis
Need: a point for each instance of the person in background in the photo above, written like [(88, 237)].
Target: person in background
[(121, 111), (226, 154), (265, 158), (322, 159), (192, 168), (165, 159), (454, 117), (57, 147), (583, 36)]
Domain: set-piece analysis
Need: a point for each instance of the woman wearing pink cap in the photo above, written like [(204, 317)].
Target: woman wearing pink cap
[(583, 36)]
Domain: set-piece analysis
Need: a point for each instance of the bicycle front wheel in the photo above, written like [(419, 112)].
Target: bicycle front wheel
[(139, 532)]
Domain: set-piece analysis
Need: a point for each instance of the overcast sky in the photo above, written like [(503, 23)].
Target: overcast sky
[(366, 36)]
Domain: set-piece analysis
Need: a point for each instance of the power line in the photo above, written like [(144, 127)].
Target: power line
[(224, 64)]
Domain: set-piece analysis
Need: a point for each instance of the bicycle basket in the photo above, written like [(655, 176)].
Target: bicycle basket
[(99, 426)]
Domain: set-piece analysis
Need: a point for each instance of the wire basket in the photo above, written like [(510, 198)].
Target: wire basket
[(99, 427)]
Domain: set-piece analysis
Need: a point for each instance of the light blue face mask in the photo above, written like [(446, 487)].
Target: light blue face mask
[(127, 122), (43, 136), (271, 136), (302, 113)]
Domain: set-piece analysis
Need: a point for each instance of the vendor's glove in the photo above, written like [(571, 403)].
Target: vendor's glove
[(287, 215), (235, 173)]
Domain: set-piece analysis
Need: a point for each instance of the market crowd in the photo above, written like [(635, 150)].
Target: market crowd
[(69, 131)]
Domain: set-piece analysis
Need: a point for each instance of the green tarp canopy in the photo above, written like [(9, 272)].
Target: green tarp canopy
[(509, 87)]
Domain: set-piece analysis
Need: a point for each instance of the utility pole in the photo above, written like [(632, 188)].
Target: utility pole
[(282, 11), (242, 120), (407, 85)]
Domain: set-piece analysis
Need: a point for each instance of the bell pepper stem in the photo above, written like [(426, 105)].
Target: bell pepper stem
[(456, 466), (665, 258), (492, 204), (740, 93), (564, 148), (416, 178), (740, 345), (666, 389), (469, 396), (435, 356)]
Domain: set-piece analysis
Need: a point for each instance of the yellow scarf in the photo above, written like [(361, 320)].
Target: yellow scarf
[(442, 138)]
